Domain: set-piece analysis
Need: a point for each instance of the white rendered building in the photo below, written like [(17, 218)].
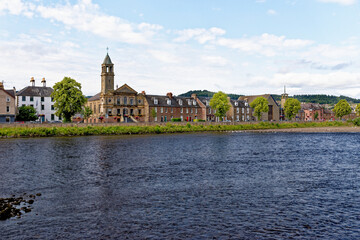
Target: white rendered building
[(40, 99)]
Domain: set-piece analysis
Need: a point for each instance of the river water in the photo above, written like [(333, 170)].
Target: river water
[(185, 186)]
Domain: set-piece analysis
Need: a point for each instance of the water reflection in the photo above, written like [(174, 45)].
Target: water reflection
[(185, 186)]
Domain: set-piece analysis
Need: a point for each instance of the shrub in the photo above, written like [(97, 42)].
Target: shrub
[(356, 121), (176, 119)]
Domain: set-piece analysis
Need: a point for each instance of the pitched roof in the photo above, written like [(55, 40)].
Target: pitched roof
[(175, 101), (252, 98), (95, 97), (125, 89), (35, 91), (107, 59), (11, 92)]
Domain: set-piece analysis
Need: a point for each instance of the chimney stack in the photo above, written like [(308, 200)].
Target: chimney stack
[(1, 85), (169, 94), (43, 81), (32, 80), (143, 93)]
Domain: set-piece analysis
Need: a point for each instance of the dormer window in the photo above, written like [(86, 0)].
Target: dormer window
[(156, 101), (246, 104), (194, 102), (207, 103), (236, 103), (169, 102), (189, 102), (180, 102)]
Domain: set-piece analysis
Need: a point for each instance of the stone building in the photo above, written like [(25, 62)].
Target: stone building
[(274, 109), (40, 99), (240, 111), (7, 104), (123, 104)]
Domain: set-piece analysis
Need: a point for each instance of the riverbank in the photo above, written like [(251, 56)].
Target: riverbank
[(86, 130)]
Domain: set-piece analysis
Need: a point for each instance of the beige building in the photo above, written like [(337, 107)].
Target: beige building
[(274, 109), (7, 104)]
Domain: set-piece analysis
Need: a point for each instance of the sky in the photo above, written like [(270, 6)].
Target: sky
[(245, 47)]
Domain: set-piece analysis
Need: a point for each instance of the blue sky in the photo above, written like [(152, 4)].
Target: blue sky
[(245, 47)]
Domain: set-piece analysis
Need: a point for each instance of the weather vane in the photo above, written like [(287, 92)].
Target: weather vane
[(107, 50)]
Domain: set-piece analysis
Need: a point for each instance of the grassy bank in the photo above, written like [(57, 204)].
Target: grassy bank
[(153, 129)]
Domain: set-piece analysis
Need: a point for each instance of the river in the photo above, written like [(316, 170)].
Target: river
[(185, 186)]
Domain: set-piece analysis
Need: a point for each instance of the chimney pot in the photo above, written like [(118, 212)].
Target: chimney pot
[(169, 94)]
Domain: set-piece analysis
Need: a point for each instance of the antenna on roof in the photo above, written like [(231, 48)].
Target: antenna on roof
[(284, 88)]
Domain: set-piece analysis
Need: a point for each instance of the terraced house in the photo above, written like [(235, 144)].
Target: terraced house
[(39, 98), (7, 104), (124, 104)]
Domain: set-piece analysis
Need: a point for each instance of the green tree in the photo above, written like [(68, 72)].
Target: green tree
[(260, 105), (220, 103), (316, 116), (86, 112), (68, 98), (153, 113), (291, 107), (342, 108), (26, 113), (358, 109)]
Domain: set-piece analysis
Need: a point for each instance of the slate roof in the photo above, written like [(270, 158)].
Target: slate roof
[(95, 97), (313, 106), (252, 98), (240, 103), (11, 92), (107, 59), (35, 91), (162, 101)]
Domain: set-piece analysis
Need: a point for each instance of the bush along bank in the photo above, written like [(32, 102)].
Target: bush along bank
[(154, 129)]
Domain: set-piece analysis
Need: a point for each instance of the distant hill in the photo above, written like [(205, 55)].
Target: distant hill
[(206, 93), (320, 98), (312, 98)]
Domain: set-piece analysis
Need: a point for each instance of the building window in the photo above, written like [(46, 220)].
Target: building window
[(125, 100), (7, 99), (155, 108), (237, 117), (42, 107), (24, 98), (52, 107), (194, 102), (243, 110), (156, 101), (166, 110), (42, 99), (247, 110), (31, 98), (155, 119), (172, 110), (169, 102), (7, 119), (7, 109), (60, 118), (109, 100), (161, 110), (237, 110), (131, 112), (187, 110), (191, 110), (207, 103), (236, 103), (52, 117), (139, 101), (181, 110), (180, 102), (182, 119), (31, 105), (131, 101), (209, 110), (139, 111), (52, 99), (196, 110), (243, 118), (118, 101)]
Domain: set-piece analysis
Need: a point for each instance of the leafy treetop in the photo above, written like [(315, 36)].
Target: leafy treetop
[(291, 107), (26, 113), (342, 108), (220, 103), (260, 105), (68, 98)]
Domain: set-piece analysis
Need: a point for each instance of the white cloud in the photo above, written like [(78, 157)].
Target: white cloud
[(85, 16), (215, 60), (16, 7), (271, 12), (164, 56), (342, 2), (266, 44), (202, 35)]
